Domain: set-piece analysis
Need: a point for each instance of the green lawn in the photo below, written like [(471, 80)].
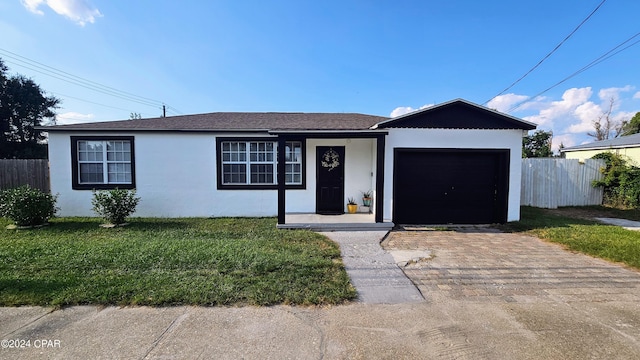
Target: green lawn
[(572, 228), (158, 262)]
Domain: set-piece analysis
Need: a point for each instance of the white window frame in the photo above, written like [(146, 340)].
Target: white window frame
[(247, 162), (105, 163)]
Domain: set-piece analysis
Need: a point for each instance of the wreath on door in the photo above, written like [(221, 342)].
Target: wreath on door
[(330, 159)]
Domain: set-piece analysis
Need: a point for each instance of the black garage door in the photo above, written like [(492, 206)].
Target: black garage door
[(444, 186)]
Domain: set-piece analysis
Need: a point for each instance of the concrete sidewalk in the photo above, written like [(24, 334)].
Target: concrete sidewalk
[(627, 224), (372, 270), (449, 330)]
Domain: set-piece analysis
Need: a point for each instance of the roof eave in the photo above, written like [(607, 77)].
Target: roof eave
[(105, 129), (600, 147), (530, 125)]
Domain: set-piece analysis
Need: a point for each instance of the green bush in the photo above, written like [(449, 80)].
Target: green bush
[(26, 206), (115, 205), (621, 181)]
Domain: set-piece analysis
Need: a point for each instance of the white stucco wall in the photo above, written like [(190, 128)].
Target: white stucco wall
[(176, 172), (457, 139), (359, 173), (176, 177)]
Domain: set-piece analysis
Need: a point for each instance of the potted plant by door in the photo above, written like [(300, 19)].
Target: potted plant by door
[(352, 206), (366, 198)]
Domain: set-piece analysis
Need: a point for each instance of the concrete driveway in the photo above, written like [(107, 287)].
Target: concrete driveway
[(485, 265), (487, 296)]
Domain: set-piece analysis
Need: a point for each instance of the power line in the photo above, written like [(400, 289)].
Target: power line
[(593, 63), (77, 80), (549, 54), (92, 102), (84, 86)]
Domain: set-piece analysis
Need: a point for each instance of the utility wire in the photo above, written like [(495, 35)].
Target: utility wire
[(593, 63), (77, 80), (549, 54), (95, 103), (87, 87)]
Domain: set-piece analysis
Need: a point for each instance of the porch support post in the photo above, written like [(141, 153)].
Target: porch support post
[(380, 144), (281, 180)]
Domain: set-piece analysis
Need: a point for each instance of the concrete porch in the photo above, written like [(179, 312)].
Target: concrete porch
[(344, 222)]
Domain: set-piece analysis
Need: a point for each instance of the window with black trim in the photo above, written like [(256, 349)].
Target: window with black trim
[(254, 163), (102, 163)]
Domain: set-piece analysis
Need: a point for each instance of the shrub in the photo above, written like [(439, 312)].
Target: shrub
[(26, 206), (115, 205), (621, 181)]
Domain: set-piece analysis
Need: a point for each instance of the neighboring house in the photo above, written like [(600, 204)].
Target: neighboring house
[(627, 146), (455, 162)]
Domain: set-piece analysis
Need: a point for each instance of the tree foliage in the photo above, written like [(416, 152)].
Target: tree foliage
[(537, 144), (23, 107), (621, 181), (632, 126)]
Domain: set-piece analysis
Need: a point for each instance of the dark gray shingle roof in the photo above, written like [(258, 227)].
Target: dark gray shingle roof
[(241, 121)]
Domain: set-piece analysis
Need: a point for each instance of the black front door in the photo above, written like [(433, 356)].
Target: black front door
[(330, 180)]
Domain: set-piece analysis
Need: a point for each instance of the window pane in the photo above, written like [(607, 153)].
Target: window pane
[(89, 151), (91, 173), (233, 151), (293, 174), (261, 151), (116, 151), (261, 173), (234, 174), (293, 151), (119, 173)]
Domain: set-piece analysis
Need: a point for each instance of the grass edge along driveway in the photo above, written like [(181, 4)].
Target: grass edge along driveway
[(574, 228), (164, 262)]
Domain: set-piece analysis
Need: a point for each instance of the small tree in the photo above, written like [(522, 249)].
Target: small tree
[(605, 127), (26, 206), (23, 107), (537, 144), (115, 205)]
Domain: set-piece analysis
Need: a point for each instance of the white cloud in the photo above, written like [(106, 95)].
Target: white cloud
[(613, 93), (73, 118), (637, 95), (586, 113), (401, 110), (505, 102), (79, 11), (571, 99)]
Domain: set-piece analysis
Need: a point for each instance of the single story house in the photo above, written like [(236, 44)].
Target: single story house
[(456, 162), (627, 146)]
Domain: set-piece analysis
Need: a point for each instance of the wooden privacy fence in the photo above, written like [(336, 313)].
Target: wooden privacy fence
[(553, 182), (18, 172)]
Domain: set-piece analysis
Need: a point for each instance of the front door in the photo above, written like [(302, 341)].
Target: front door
[(330, 180)]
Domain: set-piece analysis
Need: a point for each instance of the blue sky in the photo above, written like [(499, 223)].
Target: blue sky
[(374, 57)]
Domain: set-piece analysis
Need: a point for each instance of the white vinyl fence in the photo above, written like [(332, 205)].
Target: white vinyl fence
[(553, 182)]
